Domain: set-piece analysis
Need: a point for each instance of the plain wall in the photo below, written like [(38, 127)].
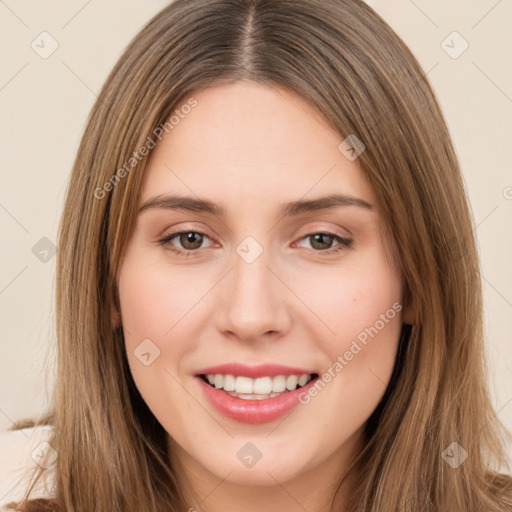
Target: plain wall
[(45, 102)]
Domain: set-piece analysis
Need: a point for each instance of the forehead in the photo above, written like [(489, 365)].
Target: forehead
[(251, 142)]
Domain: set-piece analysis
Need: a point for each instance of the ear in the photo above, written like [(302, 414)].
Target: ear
[(115, 315), (409, 315)]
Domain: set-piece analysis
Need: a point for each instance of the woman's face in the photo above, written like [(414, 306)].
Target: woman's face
[(273, 280)]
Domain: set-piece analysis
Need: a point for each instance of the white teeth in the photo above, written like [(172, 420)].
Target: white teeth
[(229, 383), (261, 387), (279, 383), (252, 396), (243, 385), (291, 382), (303, 379)]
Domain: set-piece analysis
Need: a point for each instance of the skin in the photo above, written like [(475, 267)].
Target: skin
[(250, 148)]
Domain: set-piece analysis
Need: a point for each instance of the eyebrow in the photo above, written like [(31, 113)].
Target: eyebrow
[(293, 208)]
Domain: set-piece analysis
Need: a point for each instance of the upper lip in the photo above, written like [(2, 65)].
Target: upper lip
[(253, 371)]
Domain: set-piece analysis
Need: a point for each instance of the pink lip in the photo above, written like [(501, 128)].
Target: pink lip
[(253, 411), (255, 371)]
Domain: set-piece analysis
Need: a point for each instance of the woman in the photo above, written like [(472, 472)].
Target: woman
[(268, 293)]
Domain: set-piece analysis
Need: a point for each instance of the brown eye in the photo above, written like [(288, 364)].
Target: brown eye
[(191, 240), (323, 242), (186, 241)]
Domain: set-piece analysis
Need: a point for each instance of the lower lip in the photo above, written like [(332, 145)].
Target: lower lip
[(253, 411)]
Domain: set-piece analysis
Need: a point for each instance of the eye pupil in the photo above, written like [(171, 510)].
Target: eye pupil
[(320, 237), (192, 238)]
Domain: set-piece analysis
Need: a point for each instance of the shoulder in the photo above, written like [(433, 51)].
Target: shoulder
[(22, 452)]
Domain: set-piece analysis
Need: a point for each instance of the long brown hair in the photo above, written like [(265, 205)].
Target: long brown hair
[(349, 64)]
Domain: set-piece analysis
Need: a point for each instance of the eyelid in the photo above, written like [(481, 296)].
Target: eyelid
[(343, 242), (170, 235), (319, 228)]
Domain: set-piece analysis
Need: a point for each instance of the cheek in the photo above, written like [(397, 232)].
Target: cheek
[(154, 298), (361, 319), (353, 299), (154, 303), (362, 311)]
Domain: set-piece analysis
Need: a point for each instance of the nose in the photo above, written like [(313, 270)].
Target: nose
[(253, 301)]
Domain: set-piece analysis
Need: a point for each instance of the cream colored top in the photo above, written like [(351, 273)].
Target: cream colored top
[(21, 452)]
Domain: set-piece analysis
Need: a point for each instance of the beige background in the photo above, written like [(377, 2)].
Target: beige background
[(45, 101)]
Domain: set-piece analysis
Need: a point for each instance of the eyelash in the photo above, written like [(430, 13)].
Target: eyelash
[(344, 243)]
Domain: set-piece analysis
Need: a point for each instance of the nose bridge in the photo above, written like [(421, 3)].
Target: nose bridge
[(252, 305), (251, 278)]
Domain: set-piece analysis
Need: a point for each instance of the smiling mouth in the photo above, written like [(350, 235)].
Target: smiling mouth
[(261, 388)]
